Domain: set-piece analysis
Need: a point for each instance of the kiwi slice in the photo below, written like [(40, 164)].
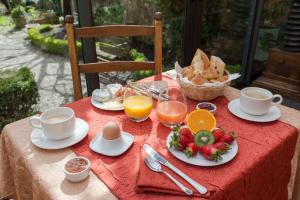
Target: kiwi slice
[(203, 137)]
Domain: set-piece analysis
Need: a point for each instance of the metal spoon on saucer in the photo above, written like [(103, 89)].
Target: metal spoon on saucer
[(155, 166)]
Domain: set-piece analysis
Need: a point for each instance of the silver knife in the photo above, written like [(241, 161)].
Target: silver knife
[(156, 156)]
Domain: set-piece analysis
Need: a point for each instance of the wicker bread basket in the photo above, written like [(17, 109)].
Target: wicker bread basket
[(200, 92)]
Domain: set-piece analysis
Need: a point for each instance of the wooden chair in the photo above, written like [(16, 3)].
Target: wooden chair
[(109, 31)]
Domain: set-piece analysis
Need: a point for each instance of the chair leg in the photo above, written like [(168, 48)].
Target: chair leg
[(14, 196)]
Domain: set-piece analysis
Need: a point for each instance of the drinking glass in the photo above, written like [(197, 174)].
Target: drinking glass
[(137, 103), (171, 106)]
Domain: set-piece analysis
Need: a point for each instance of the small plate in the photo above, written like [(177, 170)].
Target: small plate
[(273, 114), (40, 140), (112, 147), (110, 105), (198, 159), (206, 104)]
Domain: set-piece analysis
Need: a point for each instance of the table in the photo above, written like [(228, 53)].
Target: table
[(34, 173)]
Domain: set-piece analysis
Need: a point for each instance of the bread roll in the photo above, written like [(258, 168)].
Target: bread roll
[(199, 80), (200, 62), (188, 73), (218, 65), (210, 73)]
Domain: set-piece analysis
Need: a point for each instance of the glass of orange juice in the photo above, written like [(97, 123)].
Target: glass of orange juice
[(171, 106), (137, 104)]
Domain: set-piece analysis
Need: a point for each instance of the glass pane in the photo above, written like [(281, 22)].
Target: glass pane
[(139, 48), (277, 62), (271, 29), (224, 31)]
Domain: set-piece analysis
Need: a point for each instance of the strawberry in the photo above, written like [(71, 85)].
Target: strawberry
[(222, 146), (181, 138), (191, 149), (218, 134), (210, 152), (228, 137)]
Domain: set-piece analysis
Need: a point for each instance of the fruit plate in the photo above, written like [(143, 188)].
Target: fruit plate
[(199, 160)]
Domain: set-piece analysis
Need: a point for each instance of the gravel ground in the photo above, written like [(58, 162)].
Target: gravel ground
[(52, 73)]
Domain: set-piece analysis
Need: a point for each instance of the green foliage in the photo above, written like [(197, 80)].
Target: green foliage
[(139, 57), (57, 7), (45, 28), (111, 14), (18, 12), (14, 3), (233, 68), (19, 94), (48, 43), (138, 75), (211, 22), (267, 41), (273, 12), (45, 4), (173, 20), (5, 20), (29, 3), (34, 13)]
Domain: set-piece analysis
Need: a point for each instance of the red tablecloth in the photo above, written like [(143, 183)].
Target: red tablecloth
[(261, 169)]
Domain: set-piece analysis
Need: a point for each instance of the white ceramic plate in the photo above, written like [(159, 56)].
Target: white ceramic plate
[(40, 140), (112, 147), (273, 114), (110, 105), (199, 160)]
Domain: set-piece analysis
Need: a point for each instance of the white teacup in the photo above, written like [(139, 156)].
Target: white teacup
[(257, 101), (57, 123)]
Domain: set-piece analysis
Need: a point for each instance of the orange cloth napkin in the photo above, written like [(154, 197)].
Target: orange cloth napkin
[(149, 181)]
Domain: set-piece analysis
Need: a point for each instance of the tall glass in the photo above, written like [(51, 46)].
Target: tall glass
[(137, 104), (172, 106)]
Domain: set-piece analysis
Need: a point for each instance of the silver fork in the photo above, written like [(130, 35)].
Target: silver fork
[(155, 166)]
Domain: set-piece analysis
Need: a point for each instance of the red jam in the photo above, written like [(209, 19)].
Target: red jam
[(76, 165), (206, 106)]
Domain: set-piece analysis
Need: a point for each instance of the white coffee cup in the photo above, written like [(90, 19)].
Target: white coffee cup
[(56, 123), (257, 101)]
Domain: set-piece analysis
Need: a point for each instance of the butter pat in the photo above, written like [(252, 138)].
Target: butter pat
[(107, 93)]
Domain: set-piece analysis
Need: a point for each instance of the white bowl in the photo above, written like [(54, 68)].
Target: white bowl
[(78, 176), (213, 110)]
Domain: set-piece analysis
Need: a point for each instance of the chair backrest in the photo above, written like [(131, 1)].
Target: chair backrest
[(109, 31)]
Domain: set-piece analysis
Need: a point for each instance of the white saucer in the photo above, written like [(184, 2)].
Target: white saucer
[(273, 114), (110, 105), (198, 159), (112, 147), (40, 140)]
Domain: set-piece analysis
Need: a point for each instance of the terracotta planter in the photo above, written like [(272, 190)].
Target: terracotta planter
[(20, 22), (49, 17)]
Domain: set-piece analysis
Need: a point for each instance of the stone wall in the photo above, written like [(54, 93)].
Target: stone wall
[(139, 12), (136, 11)]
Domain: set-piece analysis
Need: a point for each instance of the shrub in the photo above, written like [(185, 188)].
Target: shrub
[(173, 20), (234, 68), (138, 75), (18, 12), (5, 20), (49, 43), (139, 57), (19, 94), (33, 13)]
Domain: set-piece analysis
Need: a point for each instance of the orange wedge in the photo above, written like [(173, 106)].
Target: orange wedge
[(199, 120)]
